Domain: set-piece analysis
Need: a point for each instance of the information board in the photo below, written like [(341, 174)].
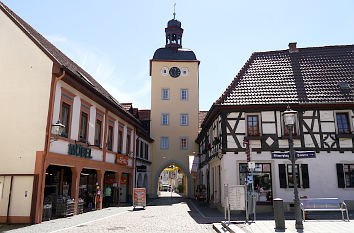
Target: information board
[(139, 198), (236, 197)]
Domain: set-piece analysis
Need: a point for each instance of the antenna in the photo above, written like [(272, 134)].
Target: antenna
[(174, 11)]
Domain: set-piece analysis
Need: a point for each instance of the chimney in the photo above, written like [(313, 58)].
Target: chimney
[(292, 47)]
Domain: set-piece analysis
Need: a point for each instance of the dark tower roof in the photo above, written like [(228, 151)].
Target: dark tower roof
[(173, 49)]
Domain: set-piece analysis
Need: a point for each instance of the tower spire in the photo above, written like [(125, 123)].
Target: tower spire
[(174, 11)]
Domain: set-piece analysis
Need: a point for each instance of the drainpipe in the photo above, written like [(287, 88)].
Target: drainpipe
[(47, 143)]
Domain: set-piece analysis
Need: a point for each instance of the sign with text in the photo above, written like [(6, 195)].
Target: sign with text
[(80, 151), (141, 168), (139, 198), (298, 155), (122, 159), (236, 195)]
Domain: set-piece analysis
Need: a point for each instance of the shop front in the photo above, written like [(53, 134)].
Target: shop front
[(262, 180), (111, 191), (58, 201), (124, 188), (89, 191)]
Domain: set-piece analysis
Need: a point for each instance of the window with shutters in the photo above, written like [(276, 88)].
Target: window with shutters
[(345, 175), (286, 175)]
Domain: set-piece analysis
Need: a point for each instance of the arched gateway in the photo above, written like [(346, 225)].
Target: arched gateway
[(185, 172), (174, 122)]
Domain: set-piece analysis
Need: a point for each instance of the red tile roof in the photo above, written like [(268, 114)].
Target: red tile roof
[(308, 76), (202, 115), (144, 115)]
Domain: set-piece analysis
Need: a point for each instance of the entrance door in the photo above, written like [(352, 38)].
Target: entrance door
[(124, 184)]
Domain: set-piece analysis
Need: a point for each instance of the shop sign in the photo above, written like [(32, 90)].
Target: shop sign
[(80, 151), (141, 168), (139, 198), (122, 159), (298, 155)]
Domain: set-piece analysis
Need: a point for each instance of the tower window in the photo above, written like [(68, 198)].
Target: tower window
[(184, 94), (164, 143), (184, 119), (165, 93), (165, 118), (183, 143)]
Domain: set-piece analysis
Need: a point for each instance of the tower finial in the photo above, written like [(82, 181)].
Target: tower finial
[(174, 11)]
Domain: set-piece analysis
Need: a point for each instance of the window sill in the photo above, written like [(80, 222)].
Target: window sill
[(345, 135)]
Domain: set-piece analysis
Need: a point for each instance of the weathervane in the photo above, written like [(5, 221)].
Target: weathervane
[(174, 11)]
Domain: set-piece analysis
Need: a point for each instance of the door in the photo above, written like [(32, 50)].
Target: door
[(124, 184)]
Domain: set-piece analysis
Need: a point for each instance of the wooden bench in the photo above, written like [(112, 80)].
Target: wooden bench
[(323, 204)]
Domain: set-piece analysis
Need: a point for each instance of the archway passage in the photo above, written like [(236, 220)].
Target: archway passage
[(172, 179)]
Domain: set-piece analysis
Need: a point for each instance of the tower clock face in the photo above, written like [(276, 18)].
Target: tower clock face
[(175, 72)]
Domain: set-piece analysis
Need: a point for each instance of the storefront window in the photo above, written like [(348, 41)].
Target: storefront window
[(262, 181)]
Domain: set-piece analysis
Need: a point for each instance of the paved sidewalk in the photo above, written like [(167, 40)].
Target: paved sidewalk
[(310, 226), (60, 223)]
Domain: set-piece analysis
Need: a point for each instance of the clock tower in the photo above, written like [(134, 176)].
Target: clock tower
[(174, 75)]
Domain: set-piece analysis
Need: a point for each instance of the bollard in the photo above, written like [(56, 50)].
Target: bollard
[(279, 214)]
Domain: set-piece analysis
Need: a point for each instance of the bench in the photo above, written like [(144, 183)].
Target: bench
[(323, 204)]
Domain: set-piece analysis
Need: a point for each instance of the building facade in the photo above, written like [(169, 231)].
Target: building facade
[(318, 83), (174, 106), (90, 164)]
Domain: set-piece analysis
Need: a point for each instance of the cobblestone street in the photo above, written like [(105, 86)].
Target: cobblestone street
[(164, 214)]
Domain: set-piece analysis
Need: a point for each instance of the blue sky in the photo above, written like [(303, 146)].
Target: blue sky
[(114, 40)]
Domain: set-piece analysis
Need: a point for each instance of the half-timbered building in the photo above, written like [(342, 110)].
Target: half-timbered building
[(316, 82)]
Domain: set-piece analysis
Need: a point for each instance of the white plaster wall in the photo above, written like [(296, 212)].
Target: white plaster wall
[(268, 116), (115, 141), (97, 155), (59, 147), (241, 127), (322, 174), (92, 125), (25, 76), (268, 128), (21, 196), (75, 122), (328, 127), (326, 116), (231, 142), (110, 158), (345, 143)]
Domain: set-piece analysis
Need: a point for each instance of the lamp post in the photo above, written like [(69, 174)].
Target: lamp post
[(289, 120), (57, 129)]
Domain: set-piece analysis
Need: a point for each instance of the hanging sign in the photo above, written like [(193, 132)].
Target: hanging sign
[(122, 159)]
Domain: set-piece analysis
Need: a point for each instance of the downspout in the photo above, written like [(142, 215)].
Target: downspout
[(47, 142)]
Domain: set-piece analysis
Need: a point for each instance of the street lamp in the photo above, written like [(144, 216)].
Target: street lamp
[(289, 121), (57, 129)]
